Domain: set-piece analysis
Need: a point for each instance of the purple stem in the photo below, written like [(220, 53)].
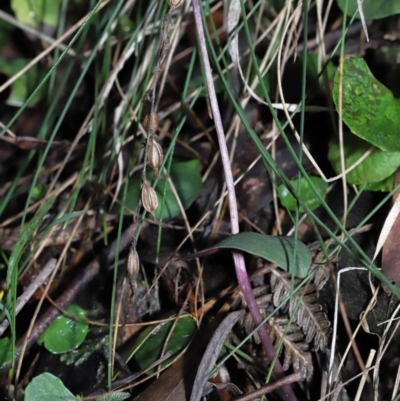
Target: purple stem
[(241, 272)]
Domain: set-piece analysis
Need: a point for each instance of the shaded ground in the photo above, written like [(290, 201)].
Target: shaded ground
[(83, 141)]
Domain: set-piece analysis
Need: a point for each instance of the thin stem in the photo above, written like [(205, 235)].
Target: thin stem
[(240, 266)]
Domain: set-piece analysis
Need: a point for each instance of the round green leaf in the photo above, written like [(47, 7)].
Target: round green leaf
[(186, 179), (34, 12), (39, 191), (148, 346), (125, 25), (65, 334), (372, 9), (369, 108), (47, 387), (307, 195), (375, 168)]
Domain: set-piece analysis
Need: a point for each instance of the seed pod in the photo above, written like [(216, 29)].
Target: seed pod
[(146, 122), (149, 198), (133, 264), (155, 155), (174, 3)]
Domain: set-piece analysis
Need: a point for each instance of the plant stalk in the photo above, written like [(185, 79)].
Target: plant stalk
[(240, 266)]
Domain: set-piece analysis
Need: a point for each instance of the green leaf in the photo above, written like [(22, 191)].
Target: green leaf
[(39, 191), (125, 25), (375, 168), (187, 181), (278, 250), (148, 346), (385, 185), (307, 194), (5, 351), (373, 9), (47, 387), (24, 86), (22, 242), (5, 32), (35, 12), (369, 108), (65, 333)]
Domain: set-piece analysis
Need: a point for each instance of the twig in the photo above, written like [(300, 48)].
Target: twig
[(294, 377), (25, 297), (238, 258), (32, 31)]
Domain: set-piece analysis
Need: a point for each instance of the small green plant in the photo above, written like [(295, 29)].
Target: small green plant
[(65, 333), (307, 194), (372, 113)]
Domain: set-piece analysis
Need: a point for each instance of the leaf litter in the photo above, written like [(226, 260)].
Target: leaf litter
[(110, 259)]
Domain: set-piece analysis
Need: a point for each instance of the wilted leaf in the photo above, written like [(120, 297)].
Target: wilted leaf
[(212, 352), (65, 333), (278, 250), (369, 108)]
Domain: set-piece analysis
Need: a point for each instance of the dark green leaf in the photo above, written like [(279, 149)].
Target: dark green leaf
[(125, 25), (22, 242), (373, 9), (148, 346), (278, 250), (5, 32), (65, 333), (23, 87), (307, 194), (47, 387), (375, 168), (67, 218), (5, 351), (369, 108)]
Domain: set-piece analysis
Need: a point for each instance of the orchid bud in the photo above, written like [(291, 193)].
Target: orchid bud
[(149, 198), (155, 155), (154, 121), (174, 3), (133, 264)]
